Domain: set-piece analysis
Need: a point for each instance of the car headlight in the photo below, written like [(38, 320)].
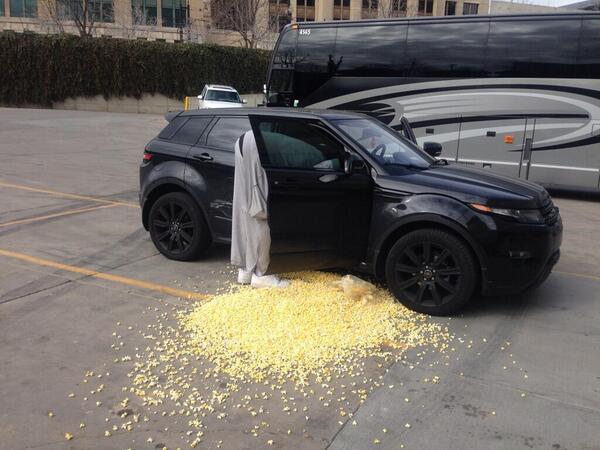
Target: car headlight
[(520, 215)]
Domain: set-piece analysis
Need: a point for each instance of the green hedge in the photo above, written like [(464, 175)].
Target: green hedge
[(43, 69)]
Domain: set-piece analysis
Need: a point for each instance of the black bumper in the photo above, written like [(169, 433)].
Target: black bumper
[(522, 257)]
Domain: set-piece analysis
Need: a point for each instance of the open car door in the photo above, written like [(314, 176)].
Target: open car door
[(319, 210), (407, 131)]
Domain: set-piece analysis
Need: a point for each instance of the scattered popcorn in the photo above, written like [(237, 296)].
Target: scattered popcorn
[(281, 332), (68, 436)]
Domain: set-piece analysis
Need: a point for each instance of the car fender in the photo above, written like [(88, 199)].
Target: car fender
[(399, 216), (171, 176)]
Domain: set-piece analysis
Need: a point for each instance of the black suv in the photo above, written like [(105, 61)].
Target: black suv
[(346, 191)]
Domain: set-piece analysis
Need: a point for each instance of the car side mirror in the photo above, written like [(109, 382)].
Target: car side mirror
[(199, 97), (432, 148), (353, 163), (244, 101)]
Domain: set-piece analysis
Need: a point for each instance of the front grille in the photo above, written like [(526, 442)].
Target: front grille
[(549, 213)]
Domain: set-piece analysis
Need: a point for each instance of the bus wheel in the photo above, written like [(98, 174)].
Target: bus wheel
[(431, 271)]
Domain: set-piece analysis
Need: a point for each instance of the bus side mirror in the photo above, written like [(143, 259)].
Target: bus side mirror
[(432, 148), (353, 163)]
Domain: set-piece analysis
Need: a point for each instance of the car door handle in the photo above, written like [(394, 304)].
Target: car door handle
[(288, 182), (203, 157)]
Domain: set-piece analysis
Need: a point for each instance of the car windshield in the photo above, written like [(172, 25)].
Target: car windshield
[(222, 96), (386, 146)]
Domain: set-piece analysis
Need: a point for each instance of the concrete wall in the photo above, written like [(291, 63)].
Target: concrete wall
[(148, 104), (499, 7)]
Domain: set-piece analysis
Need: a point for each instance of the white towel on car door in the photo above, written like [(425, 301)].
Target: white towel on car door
[(250, 233)]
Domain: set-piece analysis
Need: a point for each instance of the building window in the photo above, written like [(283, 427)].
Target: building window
[(305, 10), (470, 9), (280, 14), (425, 8), (397, 8), (370, 9), (174, 13), (341, 9), (143, 12), (1, 8), (450, 9), (23, 8), (102, 11)]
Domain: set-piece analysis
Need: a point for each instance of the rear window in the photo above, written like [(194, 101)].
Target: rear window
[(191, 131), (532, 48), (226, 131), (172, 127), (589, 56), (222, 96)]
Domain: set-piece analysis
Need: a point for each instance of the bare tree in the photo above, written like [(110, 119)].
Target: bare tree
[(248, 18), (391, 8), (192, 30), (66, 14), (134, 22)]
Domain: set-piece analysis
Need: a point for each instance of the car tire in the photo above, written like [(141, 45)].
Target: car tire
[(178, 228), (431, 271)]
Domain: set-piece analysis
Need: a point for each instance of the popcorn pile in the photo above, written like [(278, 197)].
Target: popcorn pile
[(262, 362), (308, 329)]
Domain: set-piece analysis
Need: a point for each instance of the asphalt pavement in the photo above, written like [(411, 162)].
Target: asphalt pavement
[(80, 276)]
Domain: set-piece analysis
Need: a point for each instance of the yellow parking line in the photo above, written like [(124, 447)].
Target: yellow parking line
[(580, 275), (51, 216), (67, 195), (104, 276)]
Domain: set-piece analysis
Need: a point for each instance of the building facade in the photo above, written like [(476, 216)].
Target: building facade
[(208, 20)]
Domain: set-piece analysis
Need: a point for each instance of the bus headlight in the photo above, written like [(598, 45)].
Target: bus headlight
[(520, 215)]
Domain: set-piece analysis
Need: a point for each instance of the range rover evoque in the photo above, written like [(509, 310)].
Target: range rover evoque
[(346, 191)]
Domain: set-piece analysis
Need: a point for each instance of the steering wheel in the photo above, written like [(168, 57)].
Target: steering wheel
[(379, 150)]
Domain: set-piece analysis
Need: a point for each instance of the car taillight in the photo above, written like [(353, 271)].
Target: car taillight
[(147, 156)]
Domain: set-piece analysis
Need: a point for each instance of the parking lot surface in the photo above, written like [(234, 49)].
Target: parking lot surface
[(79, 276)]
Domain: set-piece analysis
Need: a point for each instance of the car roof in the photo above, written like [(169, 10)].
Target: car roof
[(279, 112), (221, 87)]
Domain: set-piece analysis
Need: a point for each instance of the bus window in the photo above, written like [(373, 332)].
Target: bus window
[(281, 89), (533, 48), (284, 57), (370, 50), (588, 60), (446, 49), (315, 59)]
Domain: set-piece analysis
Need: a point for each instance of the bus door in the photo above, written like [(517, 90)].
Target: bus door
[(525, 165), (494, 143), (564, 152)]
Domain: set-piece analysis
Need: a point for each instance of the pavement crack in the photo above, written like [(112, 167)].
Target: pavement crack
[(34, 292)]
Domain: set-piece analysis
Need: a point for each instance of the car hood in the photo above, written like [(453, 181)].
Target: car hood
[(466, 184), (214, 104)]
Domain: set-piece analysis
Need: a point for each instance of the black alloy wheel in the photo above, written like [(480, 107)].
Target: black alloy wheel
[(177, 227), (431, 271)]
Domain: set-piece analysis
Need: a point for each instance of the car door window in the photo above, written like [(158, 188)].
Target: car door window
[(226, 131), (298, 144), (191, 131)]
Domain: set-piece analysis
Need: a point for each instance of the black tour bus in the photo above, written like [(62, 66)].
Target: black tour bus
[(516, 94)]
